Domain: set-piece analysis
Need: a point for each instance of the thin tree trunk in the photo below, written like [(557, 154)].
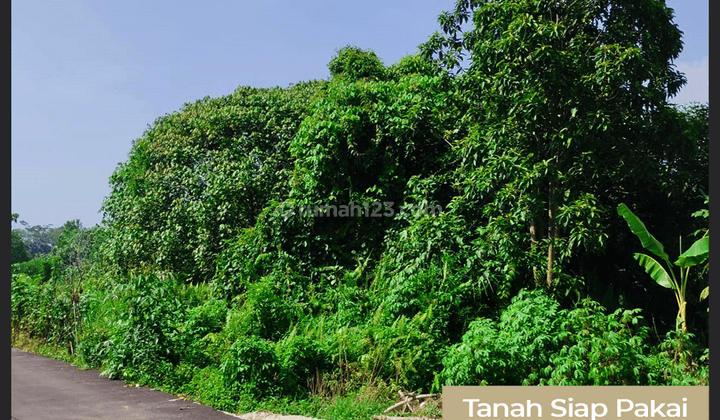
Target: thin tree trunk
[(537, 230), (552, 230), (536, 234), (533, 245)]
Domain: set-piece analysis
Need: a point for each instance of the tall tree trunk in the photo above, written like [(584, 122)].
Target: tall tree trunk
[(533, 245), (536, 235), (552, 230)]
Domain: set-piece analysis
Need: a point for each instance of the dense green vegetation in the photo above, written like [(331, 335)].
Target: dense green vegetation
[(313, 249)]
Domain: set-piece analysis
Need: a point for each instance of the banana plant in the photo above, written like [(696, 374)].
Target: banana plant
[(664, 274), (704, 213)]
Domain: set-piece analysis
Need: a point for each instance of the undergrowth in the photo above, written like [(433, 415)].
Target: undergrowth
[(333, 358)]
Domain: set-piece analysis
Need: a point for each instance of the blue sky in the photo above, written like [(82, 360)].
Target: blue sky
[(89, 76)]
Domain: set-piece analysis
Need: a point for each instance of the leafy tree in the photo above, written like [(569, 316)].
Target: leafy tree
[(199, 176), (80, 250), (354, 63), (38, 239), (18, 251), (367, 136), (566, 93), (683, 171), (65, 236), (374, 129)]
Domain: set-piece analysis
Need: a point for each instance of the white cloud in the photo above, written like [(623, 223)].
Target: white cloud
[(697, 87)]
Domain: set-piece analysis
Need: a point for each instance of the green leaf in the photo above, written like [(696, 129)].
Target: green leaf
[(697, 253), (705, 293), (638, 228), (656, 271)]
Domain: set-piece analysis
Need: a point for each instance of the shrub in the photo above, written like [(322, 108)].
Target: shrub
[(303, 361), (505, 352), (679, 361), (250, 368), (41, 267), (598, 349), (147, 334), (209, 387), (43, 309), (264, 311), (209, 317), (536, 343), (99, 322), (404, 352), (204, 320)]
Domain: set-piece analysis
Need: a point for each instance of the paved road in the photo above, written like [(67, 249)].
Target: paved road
[(44, 388)]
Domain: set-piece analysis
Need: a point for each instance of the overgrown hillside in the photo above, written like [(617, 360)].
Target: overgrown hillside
[(316, 248)]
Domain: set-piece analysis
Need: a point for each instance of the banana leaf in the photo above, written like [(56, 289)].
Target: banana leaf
[(697, 253), (638, 228), (656, 271)]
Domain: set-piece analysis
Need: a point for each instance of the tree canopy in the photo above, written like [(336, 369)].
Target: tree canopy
[(560, 112)]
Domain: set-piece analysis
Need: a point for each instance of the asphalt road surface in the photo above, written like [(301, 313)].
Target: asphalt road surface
[(43, 388)]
